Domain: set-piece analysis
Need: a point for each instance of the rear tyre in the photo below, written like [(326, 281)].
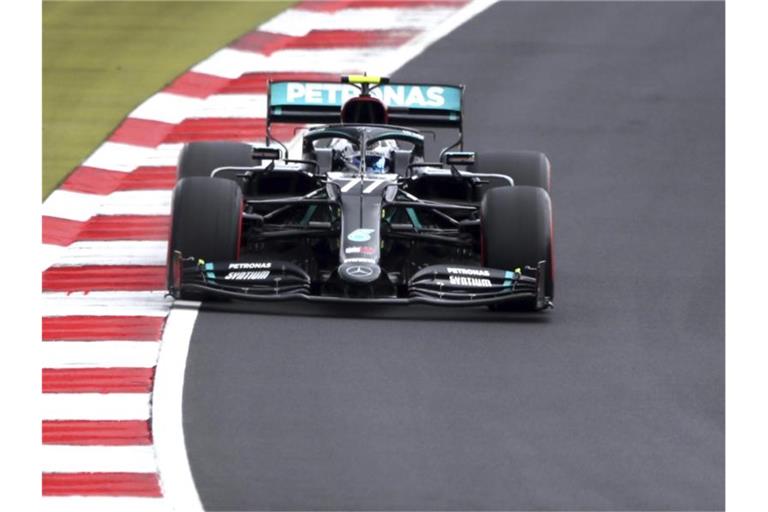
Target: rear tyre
[(206, 222), (516, 225), (199, 159), (527, 168)]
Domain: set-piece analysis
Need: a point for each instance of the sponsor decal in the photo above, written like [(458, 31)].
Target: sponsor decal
[(259, 275), (359, 271), (250, 265), (468, 271), (360, 235), (361, 260), (330, 94), (359, 250), (470, 281)]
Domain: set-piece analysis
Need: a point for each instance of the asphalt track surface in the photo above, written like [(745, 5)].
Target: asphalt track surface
[(614, 400)]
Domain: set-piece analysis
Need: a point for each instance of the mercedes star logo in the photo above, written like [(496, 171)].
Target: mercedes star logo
[(359, 271)]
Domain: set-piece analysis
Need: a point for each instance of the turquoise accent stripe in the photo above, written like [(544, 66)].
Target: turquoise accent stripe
[(308, 216), (414, 218), (508, 277), (210, 275), (446, 98), (209, 266)]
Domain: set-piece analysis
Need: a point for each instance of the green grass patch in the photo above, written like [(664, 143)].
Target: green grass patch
[(101, 59)]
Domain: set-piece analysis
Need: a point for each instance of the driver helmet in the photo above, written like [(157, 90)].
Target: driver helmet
[(378, 159)]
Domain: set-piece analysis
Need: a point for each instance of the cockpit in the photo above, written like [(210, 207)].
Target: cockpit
[(371, 149)]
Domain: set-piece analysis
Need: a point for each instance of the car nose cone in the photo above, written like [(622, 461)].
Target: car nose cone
[(359, 272)]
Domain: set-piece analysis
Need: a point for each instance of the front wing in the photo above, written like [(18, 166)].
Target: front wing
[(440, 285)]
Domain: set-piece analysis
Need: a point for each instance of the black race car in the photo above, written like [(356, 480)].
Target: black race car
[(362, 216)]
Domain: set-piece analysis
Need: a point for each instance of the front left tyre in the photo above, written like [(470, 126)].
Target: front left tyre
[(526, 168)]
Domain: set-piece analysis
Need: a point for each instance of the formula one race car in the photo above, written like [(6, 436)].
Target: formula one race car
[(362, 216)]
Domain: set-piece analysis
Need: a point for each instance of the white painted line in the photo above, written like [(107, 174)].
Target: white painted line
[(297, 22), (116, 156), (167, 425), (137, 202), (167, 108), (172, 108), (95, 406), (144, 303), (164, 155), (231, 63), (77, 206), (114, 253), (99, 354), (234, 105), (49, 253), (96, 459), (101, 504), (80, 206)]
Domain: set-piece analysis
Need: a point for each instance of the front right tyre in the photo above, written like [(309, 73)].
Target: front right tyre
[(206, 219), (199, 159)]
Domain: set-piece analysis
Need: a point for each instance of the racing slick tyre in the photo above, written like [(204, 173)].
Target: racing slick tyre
[(199, 159), (516, 225), (528, 168), (206, 221)]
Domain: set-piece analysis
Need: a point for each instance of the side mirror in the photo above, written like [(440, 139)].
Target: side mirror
[(460, 157), (266, 153)]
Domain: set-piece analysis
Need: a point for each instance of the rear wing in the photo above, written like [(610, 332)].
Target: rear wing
[(412, 105)]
